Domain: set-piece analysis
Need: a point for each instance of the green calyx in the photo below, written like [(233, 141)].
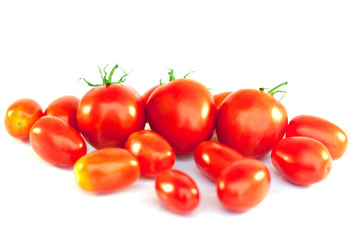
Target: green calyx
[(171, 75), (107, 81), (275, 90)]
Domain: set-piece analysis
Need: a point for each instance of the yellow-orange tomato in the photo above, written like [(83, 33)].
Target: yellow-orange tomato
[(106, 170), (20, 117)]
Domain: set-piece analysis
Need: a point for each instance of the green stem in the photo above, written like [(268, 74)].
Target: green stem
[(274, 90), (107, 81)]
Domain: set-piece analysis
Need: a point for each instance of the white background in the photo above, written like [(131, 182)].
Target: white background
[(45, 47)]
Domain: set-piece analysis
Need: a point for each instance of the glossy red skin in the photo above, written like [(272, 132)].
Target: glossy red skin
[(243, 185), (219, 98), (20, 117), (212, 158), (333, 137), (252, 122), (55, 141), (106, 170), (107, 115), (153, 152), (64, 108), (183, 112), (177, 191), (149, 92), (302, 160)]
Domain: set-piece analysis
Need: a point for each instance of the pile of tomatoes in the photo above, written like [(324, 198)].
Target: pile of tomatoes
[(182, 115)]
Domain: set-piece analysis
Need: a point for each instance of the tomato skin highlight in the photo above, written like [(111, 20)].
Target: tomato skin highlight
[(212, 158), (243, 185), (153, 152), (177, 191), (301, 160), (55, 141), (219, 98), (333, 137), (183, 112), (251, 121), (20, 117), (106, 170), (64, 108), (107, 115)]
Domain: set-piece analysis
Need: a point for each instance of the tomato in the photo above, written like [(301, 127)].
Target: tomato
[(212, 158), (333, 137), (183, 112), (153, 152), (64, 108), (243, 185), (219, 98), (177, 191), (251, 121), (108, 114), (106, 170), (20, 117), (55, 141), (302, 160), (147, 94)]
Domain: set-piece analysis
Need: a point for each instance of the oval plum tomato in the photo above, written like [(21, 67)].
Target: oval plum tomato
[(106, 170), (153, 152), (183, 112), (251, 121), (177, 191), (20, 117), (55, 141), (212, 158), (109, 113), (301, 160), (333, 137), (243, 185), (64, 108), (219, 98)]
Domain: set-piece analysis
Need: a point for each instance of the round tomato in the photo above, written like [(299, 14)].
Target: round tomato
[(20, 117), (251, 121), (219, 98), (212, 158), (106, 170), (64, 108), (183, 112), (177, 191), (333, 137), (153, 152), (147, 94), (243, 185), (108, 114), (55, 141), (302, 160)]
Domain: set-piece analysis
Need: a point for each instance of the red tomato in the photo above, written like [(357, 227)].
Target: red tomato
[(243, 185), (107, 115), (147, 94), (153, 152), (177, 191), (212, 158), (301, 160), (55, 141), (329, 134), (20, 117), (106, 170), (64, 108), (251, 121), (183, 112), (219, 98)]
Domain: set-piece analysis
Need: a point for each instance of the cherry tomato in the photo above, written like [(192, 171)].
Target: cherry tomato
[(251, 121), (302, 160), (183, 112), (55, 141), (243, 185), (219, 98), (212, 158), (106, 170), (177, 191), (153, 152), (20, 117), (333, 137), (64, 108)]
